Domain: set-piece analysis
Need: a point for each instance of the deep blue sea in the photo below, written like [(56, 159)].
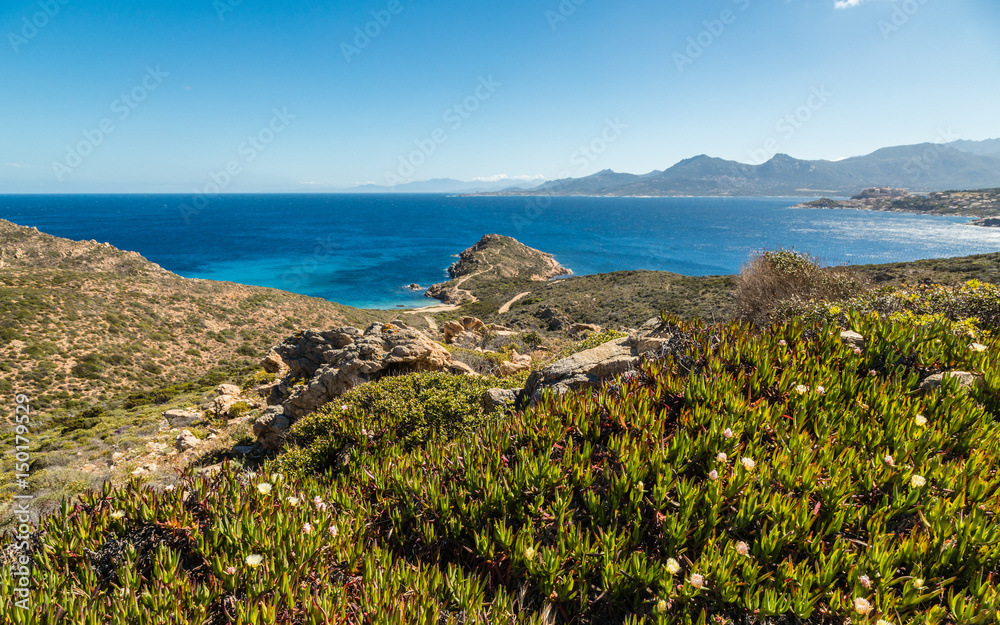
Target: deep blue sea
[(362, 249)]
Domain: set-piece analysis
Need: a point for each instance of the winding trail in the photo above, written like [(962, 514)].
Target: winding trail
[(506, 307)]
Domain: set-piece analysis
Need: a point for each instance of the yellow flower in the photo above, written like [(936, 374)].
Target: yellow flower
[(918, 583), (918, 481), (920, 420), (673, 566), (661, 606), (883, 622), (254, 560), (529, 553), (264, 488)]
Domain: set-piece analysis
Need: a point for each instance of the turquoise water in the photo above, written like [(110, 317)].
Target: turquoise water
[(362, 250)]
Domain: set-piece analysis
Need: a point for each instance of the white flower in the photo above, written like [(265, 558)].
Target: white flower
[(118, 514), (801, 389), (641, 486), (722, 457), (293, 501), (334, 531), (977, 347), (713, 475), (920, 420), (748, 464), (277, 477), (918, 481), (168, 487), (673, 566), (862, 606), (820, 390), (307, 528), (728, 433), (264, 488), (343, 406), (697, 581), (254, 559), (865, 581), (319, 503), (529, 553), (889, 460), (857, 351), (661, 606), (783, 342), (918, 583), (883, 622), (742, 548)]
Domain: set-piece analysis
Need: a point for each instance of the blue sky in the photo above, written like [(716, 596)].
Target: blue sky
[(115, 96)]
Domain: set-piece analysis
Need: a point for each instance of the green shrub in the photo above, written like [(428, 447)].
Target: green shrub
[(403, 412), (259, 377), (779, 280)]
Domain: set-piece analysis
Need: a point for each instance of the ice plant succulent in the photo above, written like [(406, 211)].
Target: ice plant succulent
[(264, 488), (254, 560), (862, 606), (918, 481), (673, 566)]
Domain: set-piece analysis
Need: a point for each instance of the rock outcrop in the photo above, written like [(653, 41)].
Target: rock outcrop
[(183, 418), (336, 361), (965, 380), (465, 331), (591, 367)]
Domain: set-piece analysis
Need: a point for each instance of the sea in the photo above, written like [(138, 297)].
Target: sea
[(363, 250)]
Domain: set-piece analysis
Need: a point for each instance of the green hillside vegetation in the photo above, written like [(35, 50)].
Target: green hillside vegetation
[(779, 473)]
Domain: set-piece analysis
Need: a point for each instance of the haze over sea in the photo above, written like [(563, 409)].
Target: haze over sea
[(362, 250)]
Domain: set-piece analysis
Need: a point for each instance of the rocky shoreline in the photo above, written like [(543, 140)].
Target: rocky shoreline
[(982, 206)]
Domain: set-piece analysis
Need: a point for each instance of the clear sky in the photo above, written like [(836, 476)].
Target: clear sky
[(132, 96)]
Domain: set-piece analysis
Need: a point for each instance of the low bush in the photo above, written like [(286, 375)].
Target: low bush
[(774, 281), (396, 413)]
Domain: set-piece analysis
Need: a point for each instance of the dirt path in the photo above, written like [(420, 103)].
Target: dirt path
[(431, 324), (506, 307)]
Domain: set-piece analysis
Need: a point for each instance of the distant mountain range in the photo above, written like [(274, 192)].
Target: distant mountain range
[(924, 167)]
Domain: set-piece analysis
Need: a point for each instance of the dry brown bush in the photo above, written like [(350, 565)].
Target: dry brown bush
[(773, 284)]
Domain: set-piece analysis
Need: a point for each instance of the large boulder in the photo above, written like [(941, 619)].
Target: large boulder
[(271, 428), (656, 339), (583, 369), (183, 418), (965, 380), (520, 362), (467, 330), (336, 361)]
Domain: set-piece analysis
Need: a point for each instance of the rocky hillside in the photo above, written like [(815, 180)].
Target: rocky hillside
[(81, 320), (984, 203)]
